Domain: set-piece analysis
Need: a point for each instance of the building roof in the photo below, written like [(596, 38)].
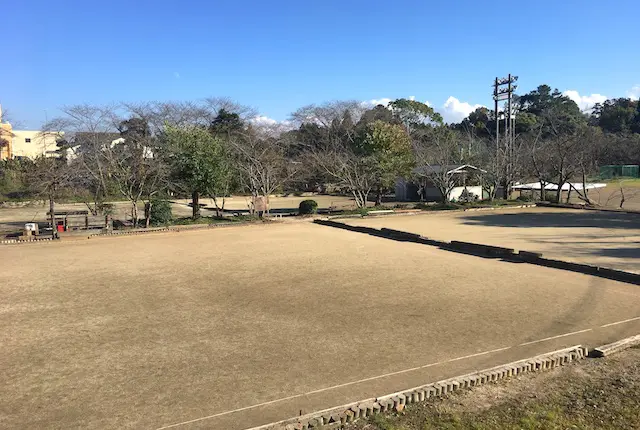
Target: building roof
[(554, 187), (451, 169)]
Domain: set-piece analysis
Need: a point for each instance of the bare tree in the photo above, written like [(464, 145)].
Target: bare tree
[(328, 138), (260, 161), (87, 131), (49, 177), (437, 152), (586, 160), (138, 174), (350, 171)]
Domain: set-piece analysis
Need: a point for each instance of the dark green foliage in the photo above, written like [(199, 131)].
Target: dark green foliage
[(308, 207), (226, 122), (160, 212), (616, 115)]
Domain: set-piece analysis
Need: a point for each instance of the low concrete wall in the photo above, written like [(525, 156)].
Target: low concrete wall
[(337, 417), (16, 241), (488, 251)]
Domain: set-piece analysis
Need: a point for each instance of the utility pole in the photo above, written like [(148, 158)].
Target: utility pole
[(503, 89)]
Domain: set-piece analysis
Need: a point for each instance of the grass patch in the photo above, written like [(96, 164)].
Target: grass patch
[(592, 394)]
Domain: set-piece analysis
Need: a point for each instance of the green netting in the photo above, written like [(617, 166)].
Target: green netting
[(608, 172), (613, 171), (631, 171)]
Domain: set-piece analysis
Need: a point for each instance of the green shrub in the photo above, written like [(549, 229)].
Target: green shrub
[(308, 207), (160, 212)]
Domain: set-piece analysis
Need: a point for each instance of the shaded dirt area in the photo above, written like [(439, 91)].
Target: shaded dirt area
[(608, 239), (590, 394)]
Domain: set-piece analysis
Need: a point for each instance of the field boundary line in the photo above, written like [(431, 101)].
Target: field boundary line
[(338, 416)]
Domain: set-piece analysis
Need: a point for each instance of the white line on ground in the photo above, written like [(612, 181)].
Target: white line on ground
[(333, 387), (555, 337), (620, 322), (381, 376)]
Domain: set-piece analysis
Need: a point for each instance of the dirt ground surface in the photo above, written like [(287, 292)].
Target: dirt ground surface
[(589, 394), (611, 195), (238, 327), (14, 218), (607, 239)]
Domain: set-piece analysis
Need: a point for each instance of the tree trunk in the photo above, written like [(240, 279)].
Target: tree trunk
[(147, 214), (54, 227), (543, 190), (379, 197), (195, 202), (134, 213), (559, 193)]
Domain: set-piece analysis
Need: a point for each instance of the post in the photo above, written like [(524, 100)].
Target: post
[(52, 217), (495, 96)]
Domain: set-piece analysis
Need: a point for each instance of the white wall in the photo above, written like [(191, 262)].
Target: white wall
[(457, 192), (39, 144)]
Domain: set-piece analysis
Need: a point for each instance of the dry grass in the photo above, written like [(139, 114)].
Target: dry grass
[(592, 394)]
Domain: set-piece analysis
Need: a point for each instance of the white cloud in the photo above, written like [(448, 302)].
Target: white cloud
[(263, 120), (454, 110), (585, 103), (634, 92), (270, 126), (375, 102)]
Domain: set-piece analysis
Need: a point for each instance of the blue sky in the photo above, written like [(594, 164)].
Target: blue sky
[(279, 55)]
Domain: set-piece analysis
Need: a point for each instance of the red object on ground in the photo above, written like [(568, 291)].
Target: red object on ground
[(60, 227)]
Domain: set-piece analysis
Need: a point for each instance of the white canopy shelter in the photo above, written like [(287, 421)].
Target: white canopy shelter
[(536, 186)]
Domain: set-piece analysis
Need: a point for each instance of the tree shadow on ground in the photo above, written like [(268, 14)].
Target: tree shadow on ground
[(630, 252), (583, 219)]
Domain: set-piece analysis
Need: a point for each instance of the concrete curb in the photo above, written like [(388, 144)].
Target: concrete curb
[(612, 348), (172, 229), (407, 212), (335, 418), (21, 242)]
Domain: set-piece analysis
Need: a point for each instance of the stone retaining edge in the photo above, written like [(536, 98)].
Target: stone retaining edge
[(116, 233), (15, 241), (612, 348), (335, 418)]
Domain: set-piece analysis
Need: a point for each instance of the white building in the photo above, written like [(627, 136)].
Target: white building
[(33, 143), (421, 187)]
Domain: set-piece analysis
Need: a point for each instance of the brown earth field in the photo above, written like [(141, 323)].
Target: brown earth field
[(606, 239), (238, 327)]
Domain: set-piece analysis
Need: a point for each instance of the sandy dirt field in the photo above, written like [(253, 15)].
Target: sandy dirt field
[(14, 218), (237, 327), (607, 239)]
